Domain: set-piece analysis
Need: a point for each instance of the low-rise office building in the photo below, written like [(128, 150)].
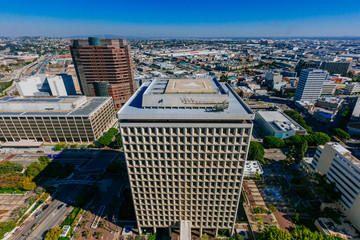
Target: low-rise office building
[(55, 119), (46, 85), (278, 124), (342, 168)]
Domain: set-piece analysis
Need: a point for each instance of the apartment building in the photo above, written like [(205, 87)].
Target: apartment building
[(343, 169), (186, 143), (104, 68), (310, 84), (70, 119)]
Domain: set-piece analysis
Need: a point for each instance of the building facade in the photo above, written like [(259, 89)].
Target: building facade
[(343, 169), (186, 143), (104, 68), (76, 119), (336, 67), (310, 84)]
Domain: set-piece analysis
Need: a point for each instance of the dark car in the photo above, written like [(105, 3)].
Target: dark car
[(34, 226), (60, 206), (46, 206), (38, 214)]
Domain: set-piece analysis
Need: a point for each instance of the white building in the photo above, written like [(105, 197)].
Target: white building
[(278, 124), (343, 169), (352, 88), (328, 88), (186, 143), (310, 84), (46, 85), (252, 168)]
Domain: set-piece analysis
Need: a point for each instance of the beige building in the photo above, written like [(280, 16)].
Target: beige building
[(343, 169), (186, 143), (54, 119)]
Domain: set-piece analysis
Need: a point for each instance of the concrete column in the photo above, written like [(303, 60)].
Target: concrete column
[(232, 230), (154, 230), (216, 232), (170, 232), (200, 232), (140, 232)]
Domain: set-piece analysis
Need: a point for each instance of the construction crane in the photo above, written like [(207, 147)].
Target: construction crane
[(249, 69)]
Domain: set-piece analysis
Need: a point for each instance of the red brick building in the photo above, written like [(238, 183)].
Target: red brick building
[(104, 68)]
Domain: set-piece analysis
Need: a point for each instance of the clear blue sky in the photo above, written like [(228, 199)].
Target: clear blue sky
[(196, 18)]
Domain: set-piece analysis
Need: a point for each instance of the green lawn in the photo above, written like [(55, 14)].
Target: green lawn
[(11, 191)]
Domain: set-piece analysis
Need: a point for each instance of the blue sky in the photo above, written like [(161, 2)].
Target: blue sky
[(185, 18)]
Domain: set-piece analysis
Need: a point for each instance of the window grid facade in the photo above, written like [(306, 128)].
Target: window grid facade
[(186, 173)]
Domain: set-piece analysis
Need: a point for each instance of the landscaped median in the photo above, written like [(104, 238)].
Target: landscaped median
[(7, 228), (71, 220)]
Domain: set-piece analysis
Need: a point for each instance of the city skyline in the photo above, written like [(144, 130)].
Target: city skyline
[(190, 19)]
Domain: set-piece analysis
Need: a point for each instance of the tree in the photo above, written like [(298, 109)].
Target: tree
[(296, 116), (341, 134), (44, 160), (104, 141), (301, 152), (224, 78), (76, 234), (272, 208), (274, 233), (204, 237), (101, 224), (256, 152), (296, 217), (87, 234), (259, 210), (290, 154), (295, 140), (317, 138), (10, 168), (53, 234), (60, 146), (99, 235), (273, 142), (151, 237), (118, 141)]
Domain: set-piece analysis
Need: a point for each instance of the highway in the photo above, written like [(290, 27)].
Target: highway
[(52, 216)]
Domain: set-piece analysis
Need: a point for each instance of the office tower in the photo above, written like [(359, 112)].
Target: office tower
[(104, 68), (68, 119), (305, 64), (336, 67), (310, 84), (186, 143), (342, 168)]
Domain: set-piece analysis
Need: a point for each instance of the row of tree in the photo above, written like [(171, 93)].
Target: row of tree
[(301, 233)]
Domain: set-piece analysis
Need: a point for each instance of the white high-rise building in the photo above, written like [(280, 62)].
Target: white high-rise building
[(342, 168), (186, 143), (310, 84)]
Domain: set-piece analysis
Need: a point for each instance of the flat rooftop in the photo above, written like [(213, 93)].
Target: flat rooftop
[(189, 86), (187, 99), (73, 106), (280, 121)]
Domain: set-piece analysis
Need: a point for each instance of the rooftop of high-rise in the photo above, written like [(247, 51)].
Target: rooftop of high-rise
[(186, 99)]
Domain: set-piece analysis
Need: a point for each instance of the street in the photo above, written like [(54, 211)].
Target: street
[(52, 216)]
